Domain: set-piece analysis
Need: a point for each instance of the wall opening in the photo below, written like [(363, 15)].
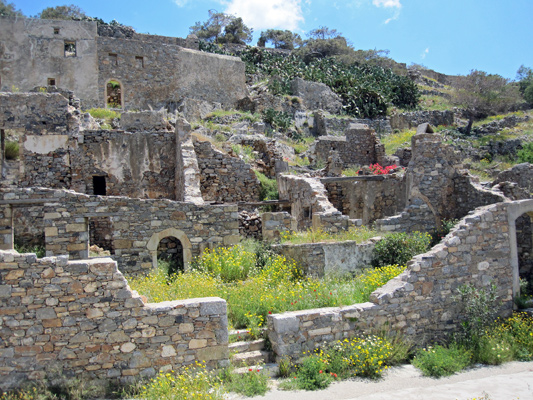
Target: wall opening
[(114, 94), (170, 255), (101, 237), (99, 186), (70, 48), (51, 82), (139, 61), (113, 58), (28, 229), (524, 244)]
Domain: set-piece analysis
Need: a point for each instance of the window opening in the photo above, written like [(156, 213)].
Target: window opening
[(70, 48), (56, 31), (139, 61), (99, 185), (113, 57), (114, 94), (51, 82)]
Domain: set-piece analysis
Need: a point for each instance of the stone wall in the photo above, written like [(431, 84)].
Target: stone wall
[(275, 223), (137, 225), (367, 197), (413, 119), (82, 319), (522, 174), (419, 303), (140, 164), (320, 259), (316, 96), (361, 146), (324, 125), (33, 54), (223, 178)]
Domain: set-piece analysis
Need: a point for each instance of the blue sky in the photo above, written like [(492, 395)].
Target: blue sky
[(449, 36)]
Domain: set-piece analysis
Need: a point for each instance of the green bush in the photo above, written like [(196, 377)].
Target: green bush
[(442, 361), (251, 383), (277, 119), (269, 187), (399, 247), (11, 150), (312, 373), (445, 227), (526, 153)]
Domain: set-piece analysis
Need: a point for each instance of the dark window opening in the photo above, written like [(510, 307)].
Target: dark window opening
[(70, 48), (114, 94), (307, 212), (101, 237), (99, 185), (170, 255), (51, 82), (139, 61), (56, 31), (113, 58)]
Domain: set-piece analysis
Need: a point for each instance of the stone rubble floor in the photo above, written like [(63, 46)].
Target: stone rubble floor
[(511, 381)]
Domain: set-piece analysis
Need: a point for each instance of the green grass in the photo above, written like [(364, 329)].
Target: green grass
[(441, 361), (315, 235), (435, 103), (269, 187), (397, 140), (103, 113)]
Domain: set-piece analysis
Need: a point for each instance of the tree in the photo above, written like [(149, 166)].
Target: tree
[(280, 39), (524, 76), (8, 10), (62, 12), (222, 28), (324, 33), (324, 42), (483, 94)]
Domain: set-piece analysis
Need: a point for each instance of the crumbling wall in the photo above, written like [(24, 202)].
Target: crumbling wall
[(33, 52), (81, 318), (360, 146), (418, 303), (140, 164), (437, 187), (367, 197), (155, 74), (310, 206), (410, 120), (320, 259), (522, 174), (223, 178), (137, 225)]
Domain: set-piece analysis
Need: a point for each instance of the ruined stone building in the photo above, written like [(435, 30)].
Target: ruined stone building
[(106, 67)]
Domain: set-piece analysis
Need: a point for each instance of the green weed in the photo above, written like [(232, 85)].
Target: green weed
[(442, 361)]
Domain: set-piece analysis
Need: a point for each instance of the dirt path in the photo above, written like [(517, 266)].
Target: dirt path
[(511, 381)]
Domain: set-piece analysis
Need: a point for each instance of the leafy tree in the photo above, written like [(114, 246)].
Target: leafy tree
[(483, 94), (324, 33), (8, 10), (524, 76), (280, 39), (62, 12), (324, 42), (222, 28)]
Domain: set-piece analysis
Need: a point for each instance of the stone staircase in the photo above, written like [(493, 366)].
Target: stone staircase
[(248, 353)]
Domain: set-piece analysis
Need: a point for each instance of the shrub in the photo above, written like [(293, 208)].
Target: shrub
[(517, 330), (254, 382), (399, 247), (441, 361), (38, 249), (312, 373), (445, 227), (277, 119), (269, 187), (526, 153), (479, 311), (11, 150)]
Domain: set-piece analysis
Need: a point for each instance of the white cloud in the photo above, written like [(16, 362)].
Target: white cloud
[(424, 53), (267, 14), (181, 3), (387, 3)]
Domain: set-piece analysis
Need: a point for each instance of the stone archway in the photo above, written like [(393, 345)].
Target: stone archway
[(153, 245)]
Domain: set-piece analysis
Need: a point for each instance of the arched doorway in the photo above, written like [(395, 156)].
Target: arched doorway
[(170, 238), (114, 95), (170, 255)]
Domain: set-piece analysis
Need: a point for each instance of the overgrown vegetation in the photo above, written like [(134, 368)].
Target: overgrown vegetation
[(38, 249), (400, 247), (315, 235), (11, 150), (269, 187), (268, 283)]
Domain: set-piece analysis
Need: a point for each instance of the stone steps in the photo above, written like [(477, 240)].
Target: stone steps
[(270, 369), (250, 358)]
